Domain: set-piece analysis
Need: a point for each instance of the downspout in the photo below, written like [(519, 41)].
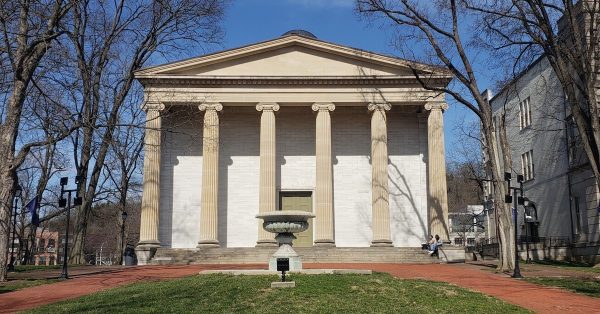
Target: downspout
[(566, 123)]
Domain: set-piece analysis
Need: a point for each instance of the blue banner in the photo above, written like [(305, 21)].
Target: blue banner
[(32, 207)]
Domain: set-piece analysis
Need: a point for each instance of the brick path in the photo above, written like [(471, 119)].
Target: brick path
[(530, 296)]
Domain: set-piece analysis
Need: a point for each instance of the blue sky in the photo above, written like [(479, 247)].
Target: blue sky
[(250, 21)]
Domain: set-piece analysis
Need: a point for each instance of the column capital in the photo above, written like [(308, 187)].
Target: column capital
[(153, 106), (267, 106), (210, 106), (430, 106), (379, 106), (323, 106)]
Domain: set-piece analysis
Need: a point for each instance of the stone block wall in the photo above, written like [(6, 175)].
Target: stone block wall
[(181, 173)]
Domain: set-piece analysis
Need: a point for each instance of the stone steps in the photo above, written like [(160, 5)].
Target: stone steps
[(167, 256)]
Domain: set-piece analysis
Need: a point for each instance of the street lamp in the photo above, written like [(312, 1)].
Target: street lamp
[(18, 192), (124, 216), (518, 200), (62, 202)]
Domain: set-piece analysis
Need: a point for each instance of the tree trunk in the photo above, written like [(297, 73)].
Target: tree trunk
[(8, 168), (504, 223)]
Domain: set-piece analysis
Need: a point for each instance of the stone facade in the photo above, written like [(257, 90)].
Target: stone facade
[(294, 114), (562, 187)]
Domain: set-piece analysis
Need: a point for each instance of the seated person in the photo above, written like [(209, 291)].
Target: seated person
[(433, 248), (427, 245)]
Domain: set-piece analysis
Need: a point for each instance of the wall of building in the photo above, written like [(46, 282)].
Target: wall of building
[(546, 137), (239, 157), (585, 206)]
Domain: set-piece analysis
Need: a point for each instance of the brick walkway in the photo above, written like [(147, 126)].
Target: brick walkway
[(530, 296)]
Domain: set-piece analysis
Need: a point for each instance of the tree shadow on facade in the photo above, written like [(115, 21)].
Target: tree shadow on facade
[(182, 137)]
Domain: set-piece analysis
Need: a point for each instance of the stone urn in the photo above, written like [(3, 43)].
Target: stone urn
[(284, 224)]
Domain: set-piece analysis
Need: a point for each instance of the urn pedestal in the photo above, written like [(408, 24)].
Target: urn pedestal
[(284, 224)]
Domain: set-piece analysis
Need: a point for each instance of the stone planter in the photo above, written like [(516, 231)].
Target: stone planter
[(284, 224)]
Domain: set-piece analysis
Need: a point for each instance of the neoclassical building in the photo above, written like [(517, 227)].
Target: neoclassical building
[(293, 123)]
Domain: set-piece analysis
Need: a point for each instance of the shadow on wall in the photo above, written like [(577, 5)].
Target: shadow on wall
[(406, 212), (182, 144), (407, 175), (351, 150), (238, 173)]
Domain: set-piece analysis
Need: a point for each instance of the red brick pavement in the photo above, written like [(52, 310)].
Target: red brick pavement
[(530, 296)]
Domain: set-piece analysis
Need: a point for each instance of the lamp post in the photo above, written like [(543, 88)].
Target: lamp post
[(18, 191), (124, 217), (518, 200), (62, 202)]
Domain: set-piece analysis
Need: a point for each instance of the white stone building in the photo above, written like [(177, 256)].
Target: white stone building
[(469, 226), (293, 122)]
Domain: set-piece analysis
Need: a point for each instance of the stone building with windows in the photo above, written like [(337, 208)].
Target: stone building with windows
[(545, 148), (292, 123), (469, 226)]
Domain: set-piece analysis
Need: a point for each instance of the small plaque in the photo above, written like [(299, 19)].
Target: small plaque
[(283, 264)]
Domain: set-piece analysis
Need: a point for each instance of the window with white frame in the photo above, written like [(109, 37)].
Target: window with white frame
[(524, 113), (527, 165)]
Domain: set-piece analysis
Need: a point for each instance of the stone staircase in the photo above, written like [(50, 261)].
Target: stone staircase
[(167, 256)]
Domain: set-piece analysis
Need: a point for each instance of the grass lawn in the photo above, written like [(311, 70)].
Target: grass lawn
[(14, 285), (569, 265), (26, 268), (377, 293), (588, 286)]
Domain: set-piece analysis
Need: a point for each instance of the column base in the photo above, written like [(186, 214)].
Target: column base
[(203, 244), (266, 243), (144, 251), (324, 243), (382, 243)]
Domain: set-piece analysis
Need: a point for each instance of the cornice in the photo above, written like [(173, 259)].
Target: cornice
[(187, 81)]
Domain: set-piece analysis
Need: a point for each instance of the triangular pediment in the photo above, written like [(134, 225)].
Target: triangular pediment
[(291, 56)]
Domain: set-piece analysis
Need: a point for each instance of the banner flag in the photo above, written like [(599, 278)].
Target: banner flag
[(32, 207)]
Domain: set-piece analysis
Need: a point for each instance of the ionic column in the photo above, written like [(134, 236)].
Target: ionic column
[(210, 176), (267, 198), (151, 185), (437, 188), (324, 176), (379, 181)]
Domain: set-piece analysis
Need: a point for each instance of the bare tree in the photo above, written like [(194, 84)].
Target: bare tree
[(110, 42), (466, 174), (464, 186), (125, 160), (29, 29), (565, 32), (441, 29)]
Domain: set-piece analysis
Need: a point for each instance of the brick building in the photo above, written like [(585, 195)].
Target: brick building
[(46, 248)]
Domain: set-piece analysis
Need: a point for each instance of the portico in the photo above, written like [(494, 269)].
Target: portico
[(229, 134)]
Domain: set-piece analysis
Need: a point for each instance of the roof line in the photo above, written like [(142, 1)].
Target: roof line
[(421, 64), (518, 77)]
